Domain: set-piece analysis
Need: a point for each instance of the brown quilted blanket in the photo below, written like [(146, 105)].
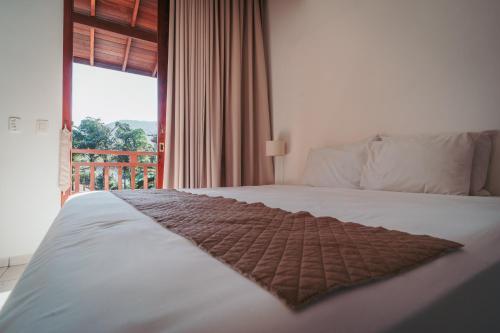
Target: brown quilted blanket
[(295, 256)]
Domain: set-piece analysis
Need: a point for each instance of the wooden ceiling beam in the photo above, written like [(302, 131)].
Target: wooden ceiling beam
[(135, 12), (92, 46), (127, 51), (129, 39), (92, 35), (155, 71), (116, 28)]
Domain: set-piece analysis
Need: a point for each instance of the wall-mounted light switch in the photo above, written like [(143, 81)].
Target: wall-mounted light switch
[(14, 124), (42, 126)]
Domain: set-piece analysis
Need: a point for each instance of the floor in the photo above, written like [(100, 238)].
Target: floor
[(8, 279)]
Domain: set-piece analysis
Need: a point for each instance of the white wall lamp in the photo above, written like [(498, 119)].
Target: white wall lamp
[(276, 148)]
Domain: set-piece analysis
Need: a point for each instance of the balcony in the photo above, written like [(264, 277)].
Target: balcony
[(94, 169)]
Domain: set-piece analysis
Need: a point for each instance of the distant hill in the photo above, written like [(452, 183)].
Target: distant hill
[(150, 127)]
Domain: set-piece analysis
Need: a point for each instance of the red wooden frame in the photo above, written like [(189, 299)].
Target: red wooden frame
[(67, 72), (163, 16), (162, 38), (67, 62)]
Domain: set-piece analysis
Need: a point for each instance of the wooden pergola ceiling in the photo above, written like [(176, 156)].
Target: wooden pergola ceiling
[(116, 34)]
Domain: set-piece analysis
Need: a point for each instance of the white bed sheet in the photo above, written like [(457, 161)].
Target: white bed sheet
[(105, 267)]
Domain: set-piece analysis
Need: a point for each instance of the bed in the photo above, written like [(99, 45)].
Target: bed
[(106, 267)]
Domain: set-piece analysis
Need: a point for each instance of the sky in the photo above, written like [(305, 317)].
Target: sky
[(112, 95)]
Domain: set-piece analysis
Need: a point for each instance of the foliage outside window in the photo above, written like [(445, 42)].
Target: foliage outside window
[(92, 133)]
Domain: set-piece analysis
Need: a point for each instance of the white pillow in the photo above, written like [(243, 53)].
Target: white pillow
[(336, 167), (483, 142), (426, 164)]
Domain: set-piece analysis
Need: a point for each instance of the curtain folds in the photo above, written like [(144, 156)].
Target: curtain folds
[(217, 95)]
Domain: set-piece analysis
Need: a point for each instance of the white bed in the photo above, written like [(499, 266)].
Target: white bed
[(105, 267)]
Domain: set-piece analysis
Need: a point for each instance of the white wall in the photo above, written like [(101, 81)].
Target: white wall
[(345, 69), (30, 88)]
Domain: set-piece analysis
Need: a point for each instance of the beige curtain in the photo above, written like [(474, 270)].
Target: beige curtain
[(217, 95)]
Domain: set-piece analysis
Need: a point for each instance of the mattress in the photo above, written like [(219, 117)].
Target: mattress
[(105, 267)]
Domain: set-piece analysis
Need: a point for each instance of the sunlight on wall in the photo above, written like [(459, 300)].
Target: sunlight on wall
[(112, 95), (31, 88)]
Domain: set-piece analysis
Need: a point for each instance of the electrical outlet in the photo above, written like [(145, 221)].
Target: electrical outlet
[(14, 124), (42, 126)]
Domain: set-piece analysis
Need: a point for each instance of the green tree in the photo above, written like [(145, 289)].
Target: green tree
[(130, 139), (92, 134)]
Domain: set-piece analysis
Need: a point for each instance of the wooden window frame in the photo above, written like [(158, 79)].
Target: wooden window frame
[(162, 68)]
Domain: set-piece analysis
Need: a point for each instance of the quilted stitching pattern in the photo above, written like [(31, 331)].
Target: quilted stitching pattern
[(295, 256)]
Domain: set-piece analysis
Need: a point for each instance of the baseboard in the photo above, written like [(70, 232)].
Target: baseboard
[(15, 260), (4, 262)]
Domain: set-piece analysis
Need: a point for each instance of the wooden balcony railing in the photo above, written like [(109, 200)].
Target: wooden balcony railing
[(130, 168)]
